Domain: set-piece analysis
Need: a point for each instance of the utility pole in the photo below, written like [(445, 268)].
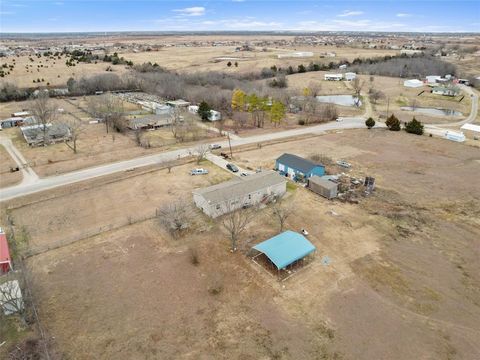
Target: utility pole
[(230, 145), (388, 105)]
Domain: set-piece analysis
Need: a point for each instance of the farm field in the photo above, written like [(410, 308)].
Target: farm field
[(54, 73), (188, 60), (405, 258)]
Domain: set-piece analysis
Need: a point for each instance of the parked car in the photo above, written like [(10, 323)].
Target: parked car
[(339, 119), (199, 171), (344, 164), (215, 146), (232, 167)]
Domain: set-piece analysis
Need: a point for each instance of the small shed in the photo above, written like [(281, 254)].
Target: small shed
[(285, 249), (5, 259), (323, 187), (298, 168), (412, 83)]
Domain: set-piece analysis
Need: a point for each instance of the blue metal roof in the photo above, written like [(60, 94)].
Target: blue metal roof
[(298, 163), (285, 248)]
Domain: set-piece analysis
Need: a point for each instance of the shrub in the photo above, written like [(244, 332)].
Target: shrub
[(370, 123), (301, 122), (393, 123), (414, 127)]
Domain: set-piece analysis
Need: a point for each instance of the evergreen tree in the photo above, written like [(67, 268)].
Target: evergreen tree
[(204, 111), (414, 127)]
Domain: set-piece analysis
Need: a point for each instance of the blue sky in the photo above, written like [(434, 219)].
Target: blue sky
[(158, 15)]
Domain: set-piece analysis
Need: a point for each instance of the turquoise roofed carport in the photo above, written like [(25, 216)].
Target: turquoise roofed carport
[(285, 248)]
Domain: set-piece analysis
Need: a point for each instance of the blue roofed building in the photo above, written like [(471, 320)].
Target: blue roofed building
[(285, 249), (298, 168)]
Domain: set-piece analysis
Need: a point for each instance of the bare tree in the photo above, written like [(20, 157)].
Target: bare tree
[(375, 95), (175, 217), (76, 127), (45, 112), (357, 85), (281, 212), (110, 109), (237, 220), (11, 301), (175, 122), (200, 152)]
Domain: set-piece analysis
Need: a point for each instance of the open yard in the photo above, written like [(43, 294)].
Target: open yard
[(403, 281), (8, 178)]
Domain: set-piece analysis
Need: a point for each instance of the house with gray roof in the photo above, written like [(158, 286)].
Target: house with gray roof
[(239, 193), (56, 132), (298, 168)]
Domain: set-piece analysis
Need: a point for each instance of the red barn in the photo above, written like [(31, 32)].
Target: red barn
[(5, 260)]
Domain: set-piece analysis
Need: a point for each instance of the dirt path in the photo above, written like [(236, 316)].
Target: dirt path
[(28, 174)]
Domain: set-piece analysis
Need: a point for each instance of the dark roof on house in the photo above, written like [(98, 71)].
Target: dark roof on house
[(297, 162)]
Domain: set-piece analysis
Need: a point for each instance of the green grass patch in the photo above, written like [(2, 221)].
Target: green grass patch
[(291, 186)]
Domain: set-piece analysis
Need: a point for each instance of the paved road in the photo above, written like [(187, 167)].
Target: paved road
[(102, 170)]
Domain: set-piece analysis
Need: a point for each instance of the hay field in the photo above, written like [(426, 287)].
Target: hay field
[(54, 73)]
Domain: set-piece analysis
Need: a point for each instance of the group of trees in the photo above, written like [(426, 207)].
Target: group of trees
[(259, 107), (413, 127)]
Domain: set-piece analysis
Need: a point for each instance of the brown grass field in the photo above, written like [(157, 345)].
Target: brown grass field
[(405, 258), (8, 178)]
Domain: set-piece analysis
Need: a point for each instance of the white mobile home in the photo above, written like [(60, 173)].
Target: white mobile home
[(240, 192), (350, 76), (412, 83), (432, 79), (333, 77)]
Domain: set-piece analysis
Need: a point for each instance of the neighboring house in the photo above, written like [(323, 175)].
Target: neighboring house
[(178, 104), (240, 192), (214, 115), (149, 122), (333, 77), (350, 76), (162, 109), (432, 79), (11, 122), (445, 91), (298, 168), (323, 187), (33, 134), (412, 83)]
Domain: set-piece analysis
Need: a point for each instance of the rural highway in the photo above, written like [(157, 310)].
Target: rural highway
[(32, 184), (35, 184)]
